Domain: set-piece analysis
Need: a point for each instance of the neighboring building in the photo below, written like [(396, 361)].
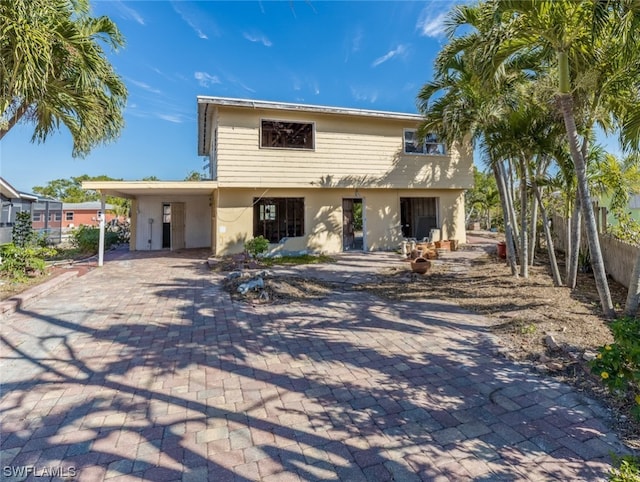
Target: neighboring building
[(13, 202), (46, 216), (308, 178), (85, 214)]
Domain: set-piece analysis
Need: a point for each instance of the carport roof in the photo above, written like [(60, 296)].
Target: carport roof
[(133, 189)]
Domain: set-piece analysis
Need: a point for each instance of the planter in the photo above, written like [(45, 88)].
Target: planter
[(502, 250), (420, 265), (454, 244), (444, 245)]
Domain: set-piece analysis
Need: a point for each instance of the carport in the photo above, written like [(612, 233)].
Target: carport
[(164, 214)]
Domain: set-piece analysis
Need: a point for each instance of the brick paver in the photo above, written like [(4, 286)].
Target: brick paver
[(145, 370)]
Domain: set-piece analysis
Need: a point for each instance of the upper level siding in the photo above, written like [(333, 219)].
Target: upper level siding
[(350, 151)]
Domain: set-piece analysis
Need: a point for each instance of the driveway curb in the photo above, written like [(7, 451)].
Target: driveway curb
[(10, 305)]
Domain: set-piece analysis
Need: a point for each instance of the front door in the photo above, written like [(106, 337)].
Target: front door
[(177, 226), (352, 225)]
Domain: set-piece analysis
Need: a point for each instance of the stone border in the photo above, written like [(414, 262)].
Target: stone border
[(20, 300)]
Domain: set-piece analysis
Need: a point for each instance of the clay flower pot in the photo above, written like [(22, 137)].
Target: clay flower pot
[(420, 265), (445, 244)]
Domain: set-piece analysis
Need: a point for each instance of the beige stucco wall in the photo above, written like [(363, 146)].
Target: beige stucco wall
[(197, 221), (350, 152), (323, 217)]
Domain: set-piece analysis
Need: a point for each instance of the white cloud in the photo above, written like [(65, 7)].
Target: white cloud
[(258, 38), (190, 20), (431, 20), (400, 50), (205, 79), (175, 118), (129, 13), (366, 95), (144, 86)]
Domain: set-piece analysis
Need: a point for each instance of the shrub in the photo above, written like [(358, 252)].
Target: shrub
[(18, 262), (618, 364), (87, 239), (256, 246), (22, 233)]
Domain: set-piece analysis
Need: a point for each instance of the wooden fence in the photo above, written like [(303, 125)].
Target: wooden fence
[(619, 257)]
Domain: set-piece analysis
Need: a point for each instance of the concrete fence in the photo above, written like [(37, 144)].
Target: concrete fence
[(619, 257)]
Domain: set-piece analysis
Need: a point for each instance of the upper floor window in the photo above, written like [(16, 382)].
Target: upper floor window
[(288, 135), (428, 145)]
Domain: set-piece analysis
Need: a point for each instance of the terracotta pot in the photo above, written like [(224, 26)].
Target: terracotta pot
[(445, 244), (420, 265), (454, 244)]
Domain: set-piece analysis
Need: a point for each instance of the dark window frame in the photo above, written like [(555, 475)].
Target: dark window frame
[(278, 218), (67, 217), (429, 146), (281, 134)]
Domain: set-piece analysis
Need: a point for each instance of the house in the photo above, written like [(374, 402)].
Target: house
[(85, 214), (306, 177), (13, 202)]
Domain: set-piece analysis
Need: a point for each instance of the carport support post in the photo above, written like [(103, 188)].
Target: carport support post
[(101, 217)]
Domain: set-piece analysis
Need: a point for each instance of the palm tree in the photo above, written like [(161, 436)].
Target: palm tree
[(53, 71), (591, 46)]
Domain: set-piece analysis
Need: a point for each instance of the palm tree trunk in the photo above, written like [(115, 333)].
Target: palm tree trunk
[(633, 295), (574, 243), (534, 230), (498, 172), (597, 263), (524, 232), (510, 191), (13, 119), (555, 271)]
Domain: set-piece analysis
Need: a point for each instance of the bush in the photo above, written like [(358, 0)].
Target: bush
[(19, 262), (87, 239), (618, 364), (22, 233), (256, 246)]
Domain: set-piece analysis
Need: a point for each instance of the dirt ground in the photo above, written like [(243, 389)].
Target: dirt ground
[(556, 330)]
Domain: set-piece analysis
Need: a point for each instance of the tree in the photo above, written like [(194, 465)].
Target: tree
[(193, 176), (53, 71), (591, 49)]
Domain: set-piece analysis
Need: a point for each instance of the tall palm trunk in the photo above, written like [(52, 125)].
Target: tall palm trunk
[(498, 172), (524, 246), (13, 119), (574, 244), (533, 238), (597, 263), (633, 295), (555, 271)]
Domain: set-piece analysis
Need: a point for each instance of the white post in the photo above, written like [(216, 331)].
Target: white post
[(101, 239)]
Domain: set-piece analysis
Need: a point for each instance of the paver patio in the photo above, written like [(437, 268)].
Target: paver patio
[(146, 370)]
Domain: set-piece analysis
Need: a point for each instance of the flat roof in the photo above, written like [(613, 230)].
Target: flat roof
[(132, 189)]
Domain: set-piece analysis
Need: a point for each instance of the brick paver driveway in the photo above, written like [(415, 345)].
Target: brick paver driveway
[(145, 370)]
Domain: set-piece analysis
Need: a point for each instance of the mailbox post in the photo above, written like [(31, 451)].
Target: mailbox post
[(101, 239)]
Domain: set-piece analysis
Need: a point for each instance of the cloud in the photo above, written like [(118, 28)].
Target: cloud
[(129, 13), (175, 118), (144, 86), (205, 79), (400, 50), (431, 19), (258, 38), (366, 95), (190, 19)]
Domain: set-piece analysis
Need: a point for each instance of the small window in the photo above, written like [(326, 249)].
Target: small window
[(429, 145), (57, 216), (287, 135), (37, 217), (278, 218), (68, 216)]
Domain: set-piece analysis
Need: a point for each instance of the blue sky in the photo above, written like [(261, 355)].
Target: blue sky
[(370, 55)]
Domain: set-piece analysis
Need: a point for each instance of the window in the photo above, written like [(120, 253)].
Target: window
[(278, 218), (37, 217), (287, 135), (68, 216), (427, 146)]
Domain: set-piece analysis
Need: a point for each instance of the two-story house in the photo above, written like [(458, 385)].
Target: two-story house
[(306, 177)]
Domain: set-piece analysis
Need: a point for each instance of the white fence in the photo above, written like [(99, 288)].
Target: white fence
[(619, 257)]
